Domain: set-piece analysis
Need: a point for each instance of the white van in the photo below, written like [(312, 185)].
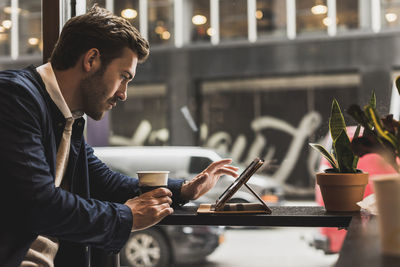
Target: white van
[(185, 162)]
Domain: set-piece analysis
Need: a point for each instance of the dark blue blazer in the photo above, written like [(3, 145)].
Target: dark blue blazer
[(90, 214)]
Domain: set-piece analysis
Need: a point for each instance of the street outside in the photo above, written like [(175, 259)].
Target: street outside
[(280, 247), (272, 247)]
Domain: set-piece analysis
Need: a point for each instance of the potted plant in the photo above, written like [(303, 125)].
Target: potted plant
[(343, 185), (381, 135)]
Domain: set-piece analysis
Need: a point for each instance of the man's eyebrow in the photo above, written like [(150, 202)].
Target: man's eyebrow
[(130, 75)]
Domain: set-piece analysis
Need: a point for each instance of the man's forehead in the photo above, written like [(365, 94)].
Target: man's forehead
[(128, 60)]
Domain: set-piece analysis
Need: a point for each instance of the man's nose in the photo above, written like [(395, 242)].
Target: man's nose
[(122, 93)]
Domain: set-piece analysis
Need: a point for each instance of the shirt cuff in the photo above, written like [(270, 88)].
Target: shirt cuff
[(123, 232), (175, 185)]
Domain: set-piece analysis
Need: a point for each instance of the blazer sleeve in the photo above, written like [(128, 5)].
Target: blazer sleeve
[(106, 184), (28, 195)]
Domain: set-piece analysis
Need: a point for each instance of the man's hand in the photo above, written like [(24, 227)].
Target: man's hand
[(206, 180), (150, 208)]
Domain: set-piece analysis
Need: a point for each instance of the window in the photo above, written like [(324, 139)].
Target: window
[(390, 15), (198, 19), (5, 27), (29, 23), (128, 9), (233, 19), (20, 28), (271, 18), (348, 15), (142, 118), (311, 16), (90, 3), (161, 25)]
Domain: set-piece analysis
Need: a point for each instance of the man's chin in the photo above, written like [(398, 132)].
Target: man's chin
[(96, 115)]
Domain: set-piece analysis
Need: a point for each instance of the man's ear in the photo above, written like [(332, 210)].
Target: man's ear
[(91, 60)]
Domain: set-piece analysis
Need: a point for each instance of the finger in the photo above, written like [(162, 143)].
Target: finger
[(165, 212), (217, 164), (160, 192), (232, 167), (161, 200), (225, 171)]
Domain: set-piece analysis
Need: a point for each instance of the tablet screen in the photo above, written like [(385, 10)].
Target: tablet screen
[(234, 187)]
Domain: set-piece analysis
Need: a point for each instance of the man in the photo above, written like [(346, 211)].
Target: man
[(57, 199)]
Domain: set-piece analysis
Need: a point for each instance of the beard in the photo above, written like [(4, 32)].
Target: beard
[(94, 94)]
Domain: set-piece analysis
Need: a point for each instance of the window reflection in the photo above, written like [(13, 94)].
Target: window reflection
[(101, 3), (128, 9), (199, 11), (347, 14), (5, 27), (233, 19), (271, 18), (390, 13), (311, 16), (30, 41), (160, 18), (142, 118)]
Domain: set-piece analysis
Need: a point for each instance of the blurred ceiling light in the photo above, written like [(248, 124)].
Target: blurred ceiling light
[(319, 8), (327, 21), (165, 35), (199, 20), (210, 31), (33, 41), (159, 29), (8, 9), (129, 13), (7, 24), (2, 29), (259, 14), (391, 17)]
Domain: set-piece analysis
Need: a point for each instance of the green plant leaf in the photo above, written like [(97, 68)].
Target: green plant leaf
[(357, 132), (398, 84), (336, 121), (355, 162), (358, 114), (326, 154), (344, 154), (372, 101), (381, 131)]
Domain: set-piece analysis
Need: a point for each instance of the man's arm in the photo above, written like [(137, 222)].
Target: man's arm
[(28, 196), (106, 184)]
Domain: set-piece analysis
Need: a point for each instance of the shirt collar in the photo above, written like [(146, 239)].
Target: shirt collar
[(49, 78)]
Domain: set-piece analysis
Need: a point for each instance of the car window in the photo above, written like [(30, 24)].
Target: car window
[(198, 164)]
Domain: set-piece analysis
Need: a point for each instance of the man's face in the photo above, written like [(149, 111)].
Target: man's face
[(102, 89)]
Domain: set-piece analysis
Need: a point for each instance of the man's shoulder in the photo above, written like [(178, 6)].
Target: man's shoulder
[(23, 77), (23, 82)]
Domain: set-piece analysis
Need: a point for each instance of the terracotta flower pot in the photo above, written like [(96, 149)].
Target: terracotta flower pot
[(341, 191)]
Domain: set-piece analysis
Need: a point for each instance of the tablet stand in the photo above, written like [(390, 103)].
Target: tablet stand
[(234, 208)]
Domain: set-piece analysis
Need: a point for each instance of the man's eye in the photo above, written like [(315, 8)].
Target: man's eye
[(124, 77)]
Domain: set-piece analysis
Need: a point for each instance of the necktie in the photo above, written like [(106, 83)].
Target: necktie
[(63, 152), (43, 250)]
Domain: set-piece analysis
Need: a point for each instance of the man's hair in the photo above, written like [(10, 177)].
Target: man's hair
[(100, 29)]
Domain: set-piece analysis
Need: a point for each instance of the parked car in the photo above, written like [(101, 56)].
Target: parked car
[(159, 246), (330, 240), (186, 162)]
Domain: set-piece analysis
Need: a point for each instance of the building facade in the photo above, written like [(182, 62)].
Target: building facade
[(245, 77)]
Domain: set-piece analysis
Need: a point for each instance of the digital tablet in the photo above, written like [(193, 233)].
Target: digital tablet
[(234, 187)]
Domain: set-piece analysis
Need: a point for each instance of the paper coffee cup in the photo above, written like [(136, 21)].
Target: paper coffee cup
[(387, 192), (150, 180)]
